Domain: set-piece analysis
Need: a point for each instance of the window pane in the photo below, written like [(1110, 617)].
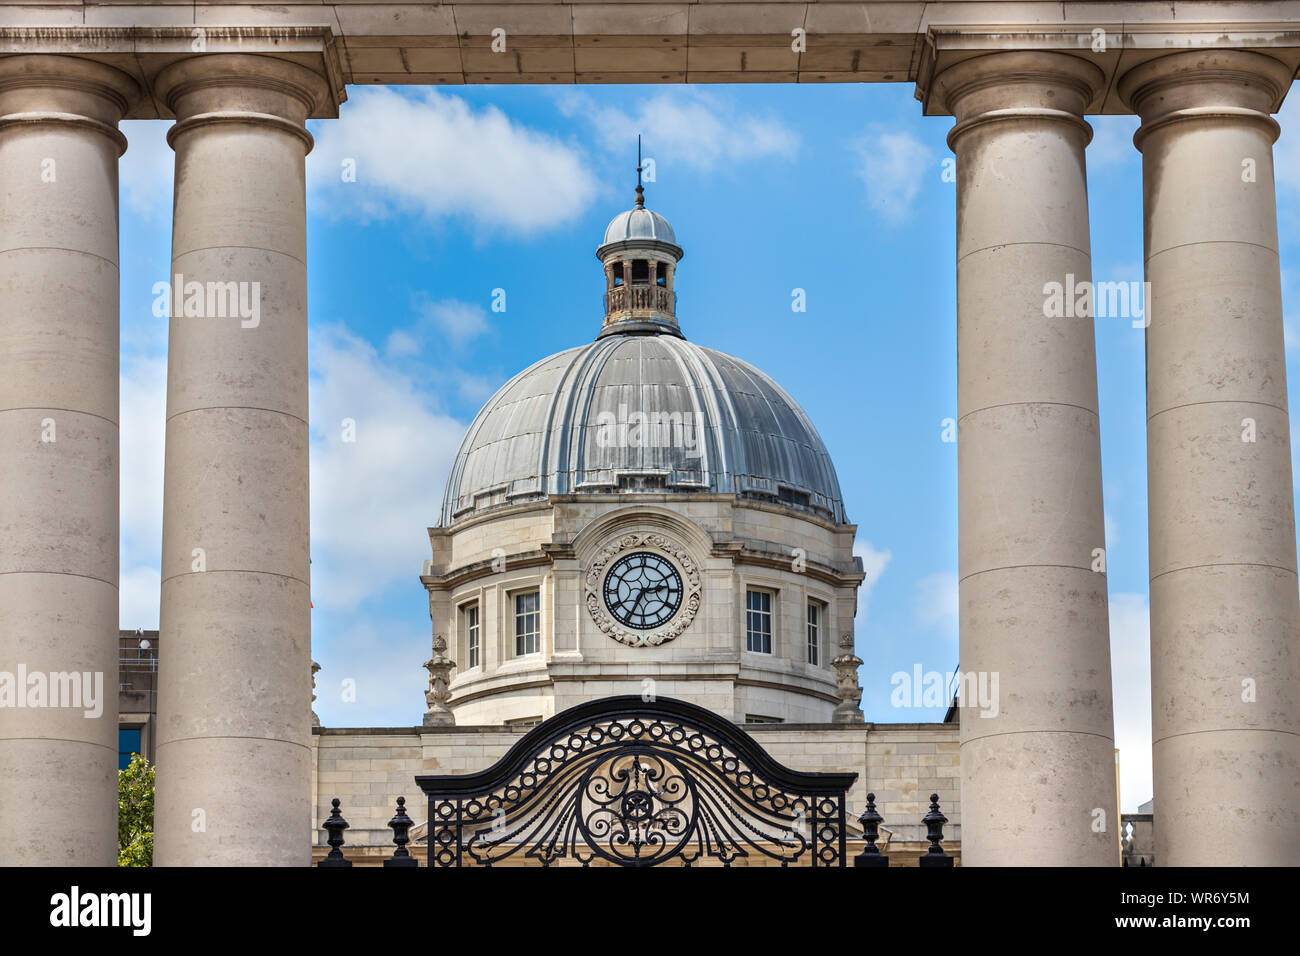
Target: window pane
[(814, 632), (128, 743), (528, 623), (472, 635), (758, 622)]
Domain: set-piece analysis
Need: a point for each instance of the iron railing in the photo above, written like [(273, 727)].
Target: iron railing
[(637, 783)]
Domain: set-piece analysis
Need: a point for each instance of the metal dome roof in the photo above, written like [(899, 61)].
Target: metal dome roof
[(639, 223), (641, 412)]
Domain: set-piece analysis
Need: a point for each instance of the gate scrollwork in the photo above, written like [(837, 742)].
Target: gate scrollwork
[(634, 783)]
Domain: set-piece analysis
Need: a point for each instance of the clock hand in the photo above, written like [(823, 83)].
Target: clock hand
[(651, 590), (636, 600)]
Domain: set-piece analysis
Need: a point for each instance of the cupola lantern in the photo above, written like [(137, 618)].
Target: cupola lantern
[(640, 256)]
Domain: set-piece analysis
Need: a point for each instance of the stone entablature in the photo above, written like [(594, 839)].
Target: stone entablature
[(723, 545), (369, 768), (714, 41)]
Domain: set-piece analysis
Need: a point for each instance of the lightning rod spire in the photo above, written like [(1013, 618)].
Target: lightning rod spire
[(640, 190)]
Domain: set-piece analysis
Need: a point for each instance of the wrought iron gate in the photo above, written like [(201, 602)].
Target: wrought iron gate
[(636, 783)]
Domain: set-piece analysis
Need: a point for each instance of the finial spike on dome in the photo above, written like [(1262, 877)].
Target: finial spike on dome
[(640, 190)]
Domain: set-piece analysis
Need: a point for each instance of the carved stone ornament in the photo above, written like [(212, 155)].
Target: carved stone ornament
[(642, 541), (847, 688), (315, 721), (439, 667)]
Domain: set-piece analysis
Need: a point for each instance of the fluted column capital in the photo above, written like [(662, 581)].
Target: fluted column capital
[(1017, 86), (44, 89), (1205, 86), (241, 88)]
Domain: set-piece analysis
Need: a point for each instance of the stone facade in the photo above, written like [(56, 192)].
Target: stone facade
[(734, 544)]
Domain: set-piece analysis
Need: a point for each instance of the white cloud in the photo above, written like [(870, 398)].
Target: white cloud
[(474, 389), (137, 600), (893, 166), (433, 154), (458, 321), (1120, 272), (448, 322), (146, 169), (937, 600), (383, 660), (874, 563), (1130, 663), (401, 344), (686, 126), (143, 427), (371, 499)]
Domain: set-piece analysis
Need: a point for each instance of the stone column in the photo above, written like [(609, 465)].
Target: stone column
[(1037, 757), (234, 710), (1225, 625), (59, 146)]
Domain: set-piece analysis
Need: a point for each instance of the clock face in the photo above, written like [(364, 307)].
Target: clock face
[(643, 590)]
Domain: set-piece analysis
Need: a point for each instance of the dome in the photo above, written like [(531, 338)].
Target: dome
[(639, 223), (641, 412)]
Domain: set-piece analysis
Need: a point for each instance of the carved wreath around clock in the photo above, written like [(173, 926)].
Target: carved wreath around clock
[(657, 581)]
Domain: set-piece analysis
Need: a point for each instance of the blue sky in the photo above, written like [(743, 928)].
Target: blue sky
[(836, 190)]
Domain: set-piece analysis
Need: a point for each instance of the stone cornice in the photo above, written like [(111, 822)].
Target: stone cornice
[(646, 41), (548, 554), (740, 554), (803, 689), (485, 568), (493, 687), (550, 502)]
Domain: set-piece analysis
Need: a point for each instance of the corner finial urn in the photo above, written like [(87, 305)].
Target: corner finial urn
[(315, 721), (847, 688), (439, 667)]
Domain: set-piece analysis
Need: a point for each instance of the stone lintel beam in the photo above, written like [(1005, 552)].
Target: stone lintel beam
[(646, 41)]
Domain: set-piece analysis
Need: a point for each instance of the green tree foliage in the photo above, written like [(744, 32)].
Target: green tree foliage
[(135, 813)]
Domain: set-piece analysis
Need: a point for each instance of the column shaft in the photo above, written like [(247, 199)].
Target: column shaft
[(234, 760), (1038, 778), (59, 147), (1225, 619)]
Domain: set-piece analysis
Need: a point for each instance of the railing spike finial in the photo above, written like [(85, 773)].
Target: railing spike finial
[(335, 825), (934, 821), (401, 825), (871, 820)]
